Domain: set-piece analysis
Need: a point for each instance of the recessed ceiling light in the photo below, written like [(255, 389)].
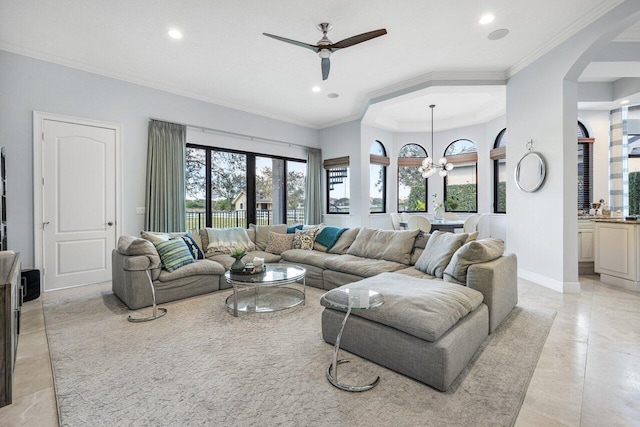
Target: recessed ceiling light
[(624, 102), (175, 34), (316, 89), (486, 19), (498, 34), (333, 95)]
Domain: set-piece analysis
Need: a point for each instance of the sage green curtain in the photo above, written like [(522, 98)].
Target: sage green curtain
[(313, 190), (165, 191)]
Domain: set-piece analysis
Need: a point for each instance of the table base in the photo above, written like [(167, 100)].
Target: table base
[(265, 299)]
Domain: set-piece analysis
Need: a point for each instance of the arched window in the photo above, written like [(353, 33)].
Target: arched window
[(499, 157), (412, 187), (460, 184), (378, 162), (585, 167)]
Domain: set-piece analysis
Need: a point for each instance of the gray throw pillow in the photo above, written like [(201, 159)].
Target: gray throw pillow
[(345, 241), (439, 251), (475, 252)]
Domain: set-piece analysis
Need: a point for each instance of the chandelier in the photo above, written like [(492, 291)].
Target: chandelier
[(428, 167)]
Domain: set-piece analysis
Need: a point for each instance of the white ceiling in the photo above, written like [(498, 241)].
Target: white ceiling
[(224, 58)]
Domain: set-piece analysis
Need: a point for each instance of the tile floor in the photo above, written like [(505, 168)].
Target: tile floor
[(588, 373)]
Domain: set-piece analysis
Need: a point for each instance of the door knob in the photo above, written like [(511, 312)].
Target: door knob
[(110, 223)]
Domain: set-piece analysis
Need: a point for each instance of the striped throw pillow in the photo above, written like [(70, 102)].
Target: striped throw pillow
[(174, 254)]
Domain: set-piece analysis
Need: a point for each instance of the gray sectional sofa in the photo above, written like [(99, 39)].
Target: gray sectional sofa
[(377, 259)]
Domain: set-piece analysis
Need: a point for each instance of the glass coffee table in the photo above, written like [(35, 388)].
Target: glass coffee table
[(266, 291), (349, 299)]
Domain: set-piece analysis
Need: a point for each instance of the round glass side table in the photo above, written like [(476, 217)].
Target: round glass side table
[(349, 299)]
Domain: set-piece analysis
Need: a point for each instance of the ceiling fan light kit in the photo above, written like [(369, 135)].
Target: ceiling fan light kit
[(325, 47)]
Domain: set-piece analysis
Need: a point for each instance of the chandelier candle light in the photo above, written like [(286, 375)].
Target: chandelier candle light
[(428, 167)]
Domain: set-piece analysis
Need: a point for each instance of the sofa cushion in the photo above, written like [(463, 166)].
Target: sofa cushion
[(345, 241), (279, 243), (266, 256), (226, 239), (411, 271), (473, 253), (329, 236), (438, 252), (303, 239), (292, 229), (131, 246), (385, 245), (203, 267), (174, 254), (363, 267), (301, 256), (195, 235), (262, 234), (423, 308)]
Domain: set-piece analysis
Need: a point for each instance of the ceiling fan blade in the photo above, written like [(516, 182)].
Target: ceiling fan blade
[(358, 39), (325, 64), (297, 43)]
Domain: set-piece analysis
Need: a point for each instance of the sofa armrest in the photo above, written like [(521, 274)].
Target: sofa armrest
[(140, 263), (497, 280)]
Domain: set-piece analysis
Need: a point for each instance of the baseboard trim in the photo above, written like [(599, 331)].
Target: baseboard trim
[(622, 283), (548, 282)]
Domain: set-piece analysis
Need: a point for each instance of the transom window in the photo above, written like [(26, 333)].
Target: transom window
[(412, 187), (460, 184)]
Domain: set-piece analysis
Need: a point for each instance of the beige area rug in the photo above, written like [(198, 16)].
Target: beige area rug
[(200, 366)]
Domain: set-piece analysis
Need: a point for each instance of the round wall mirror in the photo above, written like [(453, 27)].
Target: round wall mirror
[(530, 172)]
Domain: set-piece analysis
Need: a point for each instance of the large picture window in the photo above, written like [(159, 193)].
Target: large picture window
[(378, 162), (233, 189), (460, 184), (412, 187), (499, 157)]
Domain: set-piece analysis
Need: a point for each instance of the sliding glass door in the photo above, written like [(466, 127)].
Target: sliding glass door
[(233, 189)]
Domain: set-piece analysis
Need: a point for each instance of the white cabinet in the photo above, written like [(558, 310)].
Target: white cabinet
[(616, 253), (585, 241)]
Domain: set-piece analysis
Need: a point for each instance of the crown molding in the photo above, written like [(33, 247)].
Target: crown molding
[(565, 34)]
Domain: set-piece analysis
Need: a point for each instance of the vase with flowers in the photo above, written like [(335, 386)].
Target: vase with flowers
[(438, 208), (238, 265)]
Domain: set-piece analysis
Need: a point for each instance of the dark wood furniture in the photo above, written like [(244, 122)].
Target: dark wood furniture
[(10, 306)]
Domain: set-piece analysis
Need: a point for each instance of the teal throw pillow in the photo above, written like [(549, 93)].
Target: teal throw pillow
[(329, 236), (174, 254), (196, 253), (293, 228)]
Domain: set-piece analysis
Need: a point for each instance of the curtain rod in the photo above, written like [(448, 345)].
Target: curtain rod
[(204, 129)]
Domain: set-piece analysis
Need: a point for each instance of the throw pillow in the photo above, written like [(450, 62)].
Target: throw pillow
[(174, 254), (345, 241), (196, 253), (279, 243), (388, 245), (474, 252), (195, 235), (439, 251), (262, 233), (329, 236), (303, 239), (226, 239)]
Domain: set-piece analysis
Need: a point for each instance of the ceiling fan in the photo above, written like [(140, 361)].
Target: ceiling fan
[(326, 47)]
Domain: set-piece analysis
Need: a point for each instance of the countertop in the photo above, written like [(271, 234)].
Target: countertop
[(617, 220)]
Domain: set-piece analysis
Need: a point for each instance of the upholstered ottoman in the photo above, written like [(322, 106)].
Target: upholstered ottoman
[(426, 329)]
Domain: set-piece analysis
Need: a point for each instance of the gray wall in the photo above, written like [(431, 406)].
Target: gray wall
[(28, 85)]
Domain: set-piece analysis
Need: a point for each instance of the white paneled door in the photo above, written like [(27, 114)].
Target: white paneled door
[(78, 202)]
